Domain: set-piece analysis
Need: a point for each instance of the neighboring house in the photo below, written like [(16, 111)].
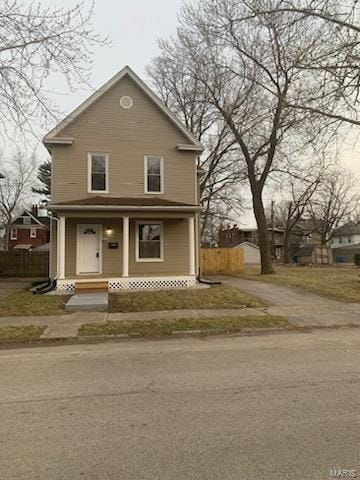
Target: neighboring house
[(315, 255), (124, 193), (29, 230), (346, 253), (300, 237), (251, 253), (231, 237), (348, 234)]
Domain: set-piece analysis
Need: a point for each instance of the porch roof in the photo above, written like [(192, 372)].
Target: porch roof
[(123, 203)]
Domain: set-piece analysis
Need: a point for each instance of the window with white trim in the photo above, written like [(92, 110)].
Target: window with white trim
[(149, 242), (32, 232), (154, 174), (26, 220), (98, 177), (13, 234)]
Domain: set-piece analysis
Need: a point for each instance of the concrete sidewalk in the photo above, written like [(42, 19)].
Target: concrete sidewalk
[(66, 326)]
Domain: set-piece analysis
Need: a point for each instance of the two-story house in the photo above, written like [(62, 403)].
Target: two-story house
[(29, 230), (125, 200), (348, 234)]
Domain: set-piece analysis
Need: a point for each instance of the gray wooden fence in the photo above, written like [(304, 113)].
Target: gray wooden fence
[(24, 264)]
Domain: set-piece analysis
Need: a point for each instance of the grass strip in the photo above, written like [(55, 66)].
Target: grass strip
[(26, 333), (166, 327), (218, 296)]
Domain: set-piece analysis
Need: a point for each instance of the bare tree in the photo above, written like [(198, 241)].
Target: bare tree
[(266, 78), (36, 42), (221, 175), (15, 189), (333, 204)]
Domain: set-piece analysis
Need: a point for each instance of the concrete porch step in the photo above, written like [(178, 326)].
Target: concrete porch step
[(94, 301)]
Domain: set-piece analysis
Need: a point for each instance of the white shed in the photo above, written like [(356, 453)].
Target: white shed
[(251, 253)]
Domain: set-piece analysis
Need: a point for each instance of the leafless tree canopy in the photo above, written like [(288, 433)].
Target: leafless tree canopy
[(35, 42), (280, 79), (15, 189), (221, 172), (334, 203)]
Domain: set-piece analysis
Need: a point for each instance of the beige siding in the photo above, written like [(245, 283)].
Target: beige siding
[(176, 249), (126, 135), (111, 259)]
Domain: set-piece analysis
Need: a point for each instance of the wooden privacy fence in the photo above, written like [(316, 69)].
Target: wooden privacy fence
[(222, 260), (24, 264)]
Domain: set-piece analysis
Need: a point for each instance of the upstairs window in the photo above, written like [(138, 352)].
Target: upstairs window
[(32, 232), (13, 234), (98, 177), (149, 242), (26, 220), (154, 173)]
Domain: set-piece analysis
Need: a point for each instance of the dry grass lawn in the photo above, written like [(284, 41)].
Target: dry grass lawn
[(340, 283), (218, 296), (25, 303), (165, 327), (28, 333)]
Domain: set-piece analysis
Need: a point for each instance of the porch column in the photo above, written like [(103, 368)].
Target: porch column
[(125, 249), (61, 247), (191, 221)]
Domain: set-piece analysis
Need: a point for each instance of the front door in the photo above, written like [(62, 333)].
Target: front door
[(88, 249)]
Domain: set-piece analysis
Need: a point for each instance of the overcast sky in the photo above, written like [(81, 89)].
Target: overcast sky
[(134, 27)]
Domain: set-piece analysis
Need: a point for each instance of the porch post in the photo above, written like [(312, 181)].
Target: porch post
[(191, 246), (61, 247), (125, 249)]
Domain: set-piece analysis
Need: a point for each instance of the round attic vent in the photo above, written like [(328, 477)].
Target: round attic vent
[(126, 102)]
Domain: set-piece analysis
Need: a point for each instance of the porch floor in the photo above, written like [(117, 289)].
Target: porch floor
[(88, 301)]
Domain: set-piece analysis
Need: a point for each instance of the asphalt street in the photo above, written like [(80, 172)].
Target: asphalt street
[(282, 406)]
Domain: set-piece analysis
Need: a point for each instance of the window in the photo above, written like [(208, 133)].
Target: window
[(349, 239), (32, 232), (98, 172), (154, 166), (13, 234), (149, 242), (26, 220), (340, 239)]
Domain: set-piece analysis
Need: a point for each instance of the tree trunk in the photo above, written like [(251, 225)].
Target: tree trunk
[(263, 234), (286, 258)]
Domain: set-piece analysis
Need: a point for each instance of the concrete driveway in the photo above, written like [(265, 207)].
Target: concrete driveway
[(302, 308)]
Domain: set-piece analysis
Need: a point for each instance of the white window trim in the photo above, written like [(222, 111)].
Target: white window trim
[(146, 174), (33, 232), (149, 222), (79, 227), (13, 237), (106, 155)]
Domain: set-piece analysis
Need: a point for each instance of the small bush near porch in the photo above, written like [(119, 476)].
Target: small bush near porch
[(218, 296)]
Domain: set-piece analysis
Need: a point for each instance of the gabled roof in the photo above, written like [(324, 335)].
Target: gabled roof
[(347, 229), (247, 243), (36, 220), (51, 138)]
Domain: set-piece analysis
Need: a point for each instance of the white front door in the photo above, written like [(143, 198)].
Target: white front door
[(88, 249)]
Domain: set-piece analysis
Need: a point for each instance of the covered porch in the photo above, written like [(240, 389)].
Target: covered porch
[(129, 250)]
